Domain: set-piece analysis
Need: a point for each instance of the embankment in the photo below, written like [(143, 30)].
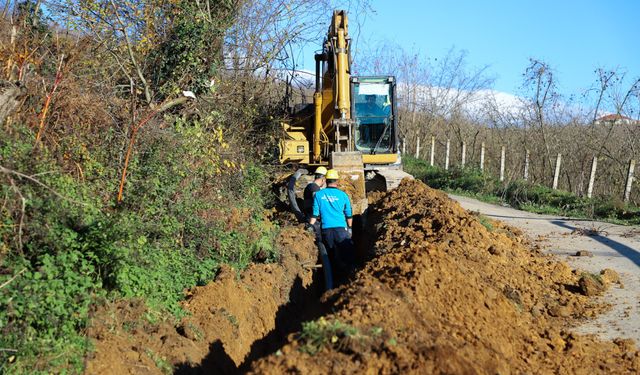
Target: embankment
[(230, 321), (448, 295)]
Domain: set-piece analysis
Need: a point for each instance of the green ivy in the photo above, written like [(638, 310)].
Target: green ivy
[(189, 57)]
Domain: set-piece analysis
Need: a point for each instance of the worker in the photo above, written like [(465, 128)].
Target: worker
[(310, 190), (371, 105), (333, 207), (370, 113), (291, 195)]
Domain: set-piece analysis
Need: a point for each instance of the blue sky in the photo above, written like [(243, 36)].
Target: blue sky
[(573, 37)]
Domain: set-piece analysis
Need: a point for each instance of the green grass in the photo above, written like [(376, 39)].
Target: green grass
[(486, 222), (160, 362), (521, 194), (321, 333)]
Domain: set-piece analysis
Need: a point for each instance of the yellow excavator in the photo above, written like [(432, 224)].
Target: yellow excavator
[(351, 126)]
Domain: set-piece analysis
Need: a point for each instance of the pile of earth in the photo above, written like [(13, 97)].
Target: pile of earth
[(447, 294), (229, 322)]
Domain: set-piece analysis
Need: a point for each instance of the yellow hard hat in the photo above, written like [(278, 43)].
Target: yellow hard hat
[(321, 170), (332, 174)]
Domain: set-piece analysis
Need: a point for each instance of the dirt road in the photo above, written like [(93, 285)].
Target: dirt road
[(613, 246)]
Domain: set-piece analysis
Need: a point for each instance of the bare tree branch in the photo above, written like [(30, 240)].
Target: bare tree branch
[(37, 182)]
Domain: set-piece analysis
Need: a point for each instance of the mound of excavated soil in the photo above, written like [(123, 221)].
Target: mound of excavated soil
[(230, 320), (447, 295)]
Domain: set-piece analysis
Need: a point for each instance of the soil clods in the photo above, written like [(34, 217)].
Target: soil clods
[(449, 295)]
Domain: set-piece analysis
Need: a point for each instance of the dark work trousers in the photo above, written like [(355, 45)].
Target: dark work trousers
[(340, 248), (316, 228)]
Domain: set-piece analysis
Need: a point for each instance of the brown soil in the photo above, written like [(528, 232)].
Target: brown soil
[(442, 295), (445, 295), (352, 186), (353, 183), (232, 320), (610, 276), (590, 285)]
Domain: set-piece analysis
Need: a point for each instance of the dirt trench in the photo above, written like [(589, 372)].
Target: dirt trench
[(448, 295), (443, 294), (232, 321)]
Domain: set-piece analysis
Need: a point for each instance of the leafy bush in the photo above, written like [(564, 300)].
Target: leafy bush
[(49, 266), (187, 209), (184, 59), (45, 309)]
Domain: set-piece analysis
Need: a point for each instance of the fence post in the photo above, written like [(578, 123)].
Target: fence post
[(592, 176), (502, 157), (433, 150), (418, 148), (526, 166), (446, 157), (556, 173), (627, 188), (463, 157), (482, 156), (404, 146)]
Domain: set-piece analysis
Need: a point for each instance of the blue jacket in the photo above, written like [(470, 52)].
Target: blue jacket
[(333, 207)]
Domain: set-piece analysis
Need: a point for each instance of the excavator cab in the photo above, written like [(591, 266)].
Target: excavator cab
[(374, 112)]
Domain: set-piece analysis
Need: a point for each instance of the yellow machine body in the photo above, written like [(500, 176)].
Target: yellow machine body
[(343, 128)]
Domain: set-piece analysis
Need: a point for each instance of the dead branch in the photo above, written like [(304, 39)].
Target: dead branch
[(5, 284), (163, 107), (8, 171), (134, 61), (22, 213), (45, 110)]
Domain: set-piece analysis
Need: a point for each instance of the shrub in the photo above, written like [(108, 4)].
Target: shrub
[(187, 209)]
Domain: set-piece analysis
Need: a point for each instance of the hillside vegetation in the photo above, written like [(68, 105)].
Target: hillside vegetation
[(114, 183)]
